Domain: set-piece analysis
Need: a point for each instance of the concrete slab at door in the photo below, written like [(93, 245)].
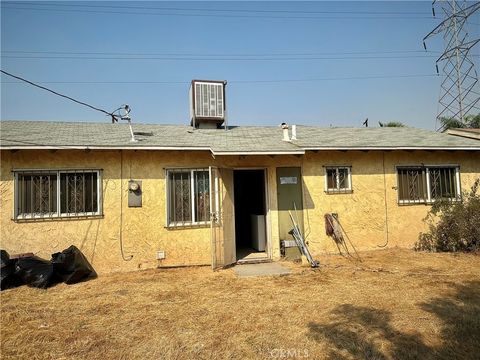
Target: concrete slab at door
[(289, 192), (265, 269)]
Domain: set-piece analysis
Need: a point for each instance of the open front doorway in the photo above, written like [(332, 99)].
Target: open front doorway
[(250, 215)]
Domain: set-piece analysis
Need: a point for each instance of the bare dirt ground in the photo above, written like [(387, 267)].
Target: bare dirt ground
[(396, 304)]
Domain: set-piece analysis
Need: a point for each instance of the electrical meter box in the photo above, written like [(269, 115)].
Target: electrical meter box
[(134, 193)]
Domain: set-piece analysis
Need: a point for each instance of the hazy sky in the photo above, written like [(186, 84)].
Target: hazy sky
[(359, 60)]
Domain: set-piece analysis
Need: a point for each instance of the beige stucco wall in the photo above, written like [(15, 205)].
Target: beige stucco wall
[(362, 213), (366, 211), (143, 229)]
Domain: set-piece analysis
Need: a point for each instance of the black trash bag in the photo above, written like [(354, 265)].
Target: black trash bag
[(8, 277), (72, 266), (4, 257), (36, 272)]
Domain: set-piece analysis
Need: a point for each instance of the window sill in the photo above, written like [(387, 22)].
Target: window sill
[(187, 226), (412, 203), (57, 218), (426, 202), (335, 192)]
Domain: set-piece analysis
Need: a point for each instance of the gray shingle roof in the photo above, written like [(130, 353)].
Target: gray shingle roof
[(383, 137), (241, 139)]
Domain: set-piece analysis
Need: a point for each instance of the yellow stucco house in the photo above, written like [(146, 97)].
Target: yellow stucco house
[(182, 195)]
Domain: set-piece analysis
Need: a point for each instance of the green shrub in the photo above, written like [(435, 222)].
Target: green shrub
[(453, 226)]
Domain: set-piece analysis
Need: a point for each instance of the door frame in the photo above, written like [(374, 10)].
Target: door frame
[(268, 227)]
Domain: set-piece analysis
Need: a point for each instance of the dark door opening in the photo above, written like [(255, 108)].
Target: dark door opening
[(250, 214)]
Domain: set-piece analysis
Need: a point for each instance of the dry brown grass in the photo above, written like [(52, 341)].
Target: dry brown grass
[(397, 304)]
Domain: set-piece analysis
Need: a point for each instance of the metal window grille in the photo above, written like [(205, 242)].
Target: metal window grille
[(36, 194), (180, 206), (412, 185), (202, 196), (78, 193), (427, 184), (188, 197), (443, 183), (338, 180), (56, 193)]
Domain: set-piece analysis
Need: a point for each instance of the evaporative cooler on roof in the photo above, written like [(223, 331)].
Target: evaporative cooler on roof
[(207, 103)]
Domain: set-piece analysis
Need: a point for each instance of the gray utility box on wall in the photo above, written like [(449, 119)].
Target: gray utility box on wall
[(134, 193), (290, 250)]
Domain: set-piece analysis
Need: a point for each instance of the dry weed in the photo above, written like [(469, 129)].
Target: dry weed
[(396, 304)]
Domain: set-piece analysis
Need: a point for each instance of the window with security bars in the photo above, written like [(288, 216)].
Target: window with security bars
[(442, 183), (188, 197), (53, 194), (78, 192), (338, 179), (427, 184)]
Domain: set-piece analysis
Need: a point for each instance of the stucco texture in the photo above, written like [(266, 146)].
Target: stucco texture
[(143, 231), (371, 215)]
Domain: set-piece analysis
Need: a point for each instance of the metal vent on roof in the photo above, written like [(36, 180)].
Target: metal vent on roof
[(143, 133), (207, 103), (209, 100)]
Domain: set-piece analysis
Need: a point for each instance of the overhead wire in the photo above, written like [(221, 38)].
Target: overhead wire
[(220, 10), (265, 81), (113, 116), (304, 53), (130, 13), (176, 58)]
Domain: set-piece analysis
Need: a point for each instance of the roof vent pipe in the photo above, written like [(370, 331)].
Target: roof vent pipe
[(294, 132), (285, 132)]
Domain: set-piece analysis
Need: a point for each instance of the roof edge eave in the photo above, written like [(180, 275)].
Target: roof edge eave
[(87, 147), (391, 148), (227, 153), (301, 151), (133, 147)]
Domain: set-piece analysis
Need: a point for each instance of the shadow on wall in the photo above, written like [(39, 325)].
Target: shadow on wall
[(93, 236), (308, 202), (367, 333), (94, 240)]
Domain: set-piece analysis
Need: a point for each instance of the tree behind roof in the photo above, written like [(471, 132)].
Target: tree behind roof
[(391, 124), (471, 122)]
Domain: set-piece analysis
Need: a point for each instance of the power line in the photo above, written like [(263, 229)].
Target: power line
[(337, 78), (216, 54), (176, 58), (368, 77), (220, 10), (113, 116), (217, 15)]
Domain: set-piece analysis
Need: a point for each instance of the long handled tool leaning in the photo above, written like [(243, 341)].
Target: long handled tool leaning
[(300, 241), (338, 233)]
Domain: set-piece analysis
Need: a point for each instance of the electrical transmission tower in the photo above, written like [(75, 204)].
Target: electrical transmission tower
[(459, 91)]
